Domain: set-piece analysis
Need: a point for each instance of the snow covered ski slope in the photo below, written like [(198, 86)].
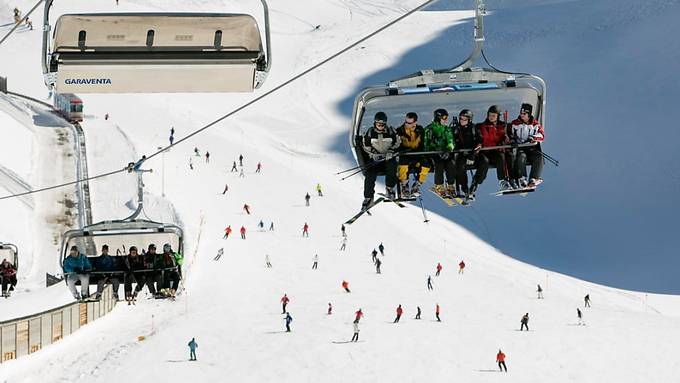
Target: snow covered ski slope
[(231, 305)]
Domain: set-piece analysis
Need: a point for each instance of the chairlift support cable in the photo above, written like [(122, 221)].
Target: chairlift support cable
[(247, 104)]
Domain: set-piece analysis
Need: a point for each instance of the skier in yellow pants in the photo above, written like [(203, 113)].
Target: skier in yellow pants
[(411, 135)]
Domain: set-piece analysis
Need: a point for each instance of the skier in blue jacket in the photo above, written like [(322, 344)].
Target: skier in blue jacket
[(76, 268), (192, 349), (288, 319)]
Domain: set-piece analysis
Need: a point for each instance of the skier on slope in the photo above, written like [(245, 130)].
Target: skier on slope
[(380, 142), (378, 262), (429, 283), (307, 197), (527, 129), (358, 315), (284, 303), (374, 255), (288, 319), (381, 248), (355, 327), (343, 230), (345, 285), (243, 232), (461, 267), (586, 299), (233, 167), (330, 309), (192, 349), (418, 313), (226, 188), (315, 265), (246, 207), (266, 261), (227, 231), (240, 159), (579, 314), (500, 359), (207, 156), (524, 322), (399, 312), (436, 312), (318, 190), (305, 230), (539, 290), (344, 244), (439, 137), (439, 269), (258, 168)]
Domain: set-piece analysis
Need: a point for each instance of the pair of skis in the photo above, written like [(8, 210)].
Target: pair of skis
[(383, 198), (449, 200)]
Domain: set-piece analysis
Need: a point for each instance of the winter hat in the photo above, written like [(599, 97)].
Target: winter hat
[(380, 117), (494, 109), (152, 246), (527, 108), (167, 247), (440, 113), (105, 247), (133, 248), (74, 247)]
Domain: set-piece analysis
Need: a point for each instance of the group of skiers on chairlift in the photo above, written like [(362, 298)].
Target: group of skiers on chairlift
[(160, 272), (459, 144)]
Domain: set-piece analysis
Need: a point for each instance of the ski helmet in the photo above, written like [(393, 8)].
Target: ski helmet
[(167, 248), (380, 117), (494, 109), (466, 113), (528, 108), (133, 248), (439, 114)]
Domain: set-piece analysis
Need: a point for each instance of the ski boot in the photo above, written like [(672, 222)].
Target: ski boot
[(391, 193), (522, 182), (451, 190), (504, 185), (415, 189), (367, 202), (439, 189), (470, 197), (514, 184), (405, 192), (535, 182)]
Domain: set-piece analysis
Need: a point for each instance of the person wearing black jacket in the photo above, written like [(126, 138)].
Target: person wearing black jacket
[(380, 142), (133, 263), (467, 136)]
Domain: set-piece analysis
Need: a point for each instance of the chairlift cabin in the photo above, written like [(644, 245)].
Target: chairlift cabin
[(155, 52), (9, 252), (119, 236), (454, 89)]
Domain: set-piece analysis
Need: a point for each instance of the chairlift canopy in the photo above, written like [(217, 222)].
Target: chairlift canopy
[(155, 52)]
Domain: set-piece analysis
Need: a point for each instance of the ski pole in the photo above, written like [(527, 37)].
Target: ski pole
[(422, 207), (554, 161)]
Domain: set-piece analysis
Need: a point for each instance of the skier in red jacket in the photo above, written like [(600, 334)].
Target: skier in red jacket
[(500, 359), (439, 269), (461, 267), (345, 285), (358, 315), (243, 232), (494, 134), (284, 303), (227, 231), (305, 230), (526, 129), (399, 312)]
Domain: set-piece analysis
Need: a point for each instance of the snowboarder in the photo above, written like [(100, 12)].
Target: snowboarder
[(345, 285), (246, 207), (355, 325), (266, 261), (380, 143), (439, 137), (579, 314), (494, 134), (243, 232), (411, 136), (527, 129), (284, 303), (439, 269), (429, 283), (233, 167), (288, 319), (500, 359), (342, 230), (207, 156), (330, 309), (344, 244), (525, 322), (382, 249), (240, 159), (399, 312), (586, 299), (307, 197), (259, 167), (418, 313), (436, 313), (358, 315), (226, 188), (374, 255), (227, 231), (315, 265), (305, 230), (318, 190), (192, 349), (378, 262), (539, 291), (461, 267)]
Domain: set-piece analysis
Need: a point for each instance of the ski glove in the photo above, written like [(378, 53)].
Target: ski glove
[(389, 155)]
